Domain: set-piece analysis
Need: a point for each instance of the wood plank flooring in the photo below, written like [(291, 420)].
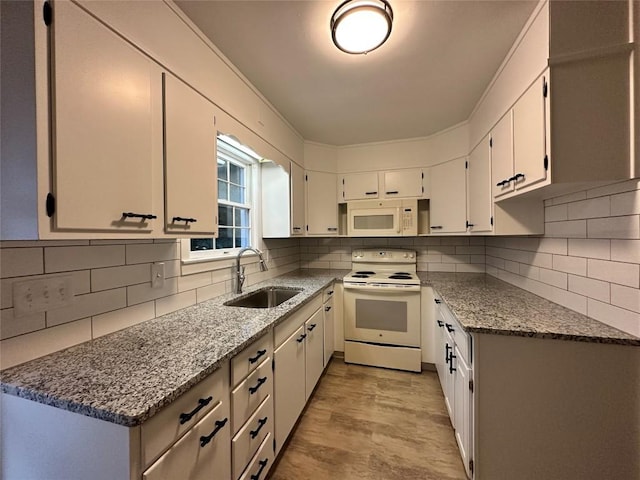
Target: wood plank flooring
[(370, 423)]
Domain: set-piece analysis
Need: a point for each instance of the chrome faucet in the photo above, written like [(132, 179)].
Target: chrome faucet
[(240, 269)]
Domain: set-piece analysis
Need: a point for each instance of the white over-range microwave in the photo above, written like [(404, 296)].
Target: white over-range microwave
[(382, 218)]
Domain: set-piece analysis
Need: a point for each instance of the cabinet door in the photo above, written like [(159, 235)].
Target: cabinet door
[(462, 409), (329, 330), (441, 360), (297, 199), (289, 384), (449, 378), (314, 328), (107, 123), (529, 136), (322, 208), (191, 195), (502, 156), (448, 205), (479, 198), (359, 186), (403, 183)]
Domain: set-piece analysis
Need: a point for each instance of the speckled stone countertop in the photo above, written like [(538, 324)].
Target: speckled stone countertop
[(128, 376), (485, 304)]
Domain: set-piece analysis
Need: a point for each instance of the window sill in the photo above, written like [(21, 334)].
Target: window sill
[(194, 265)]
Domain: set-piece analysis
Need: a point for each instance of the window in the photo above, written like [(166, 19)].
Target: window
[(235, 165)]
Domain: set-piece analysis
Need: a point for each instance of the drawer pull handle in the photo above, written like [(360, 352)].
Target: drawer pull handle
[(301, 337), (437, 300), (261, 422), (143, 216), (394, 192), (451, 367), (312, 326), (326, 309), (261, 381), (449, 327), (437, 227), (440, 323), (330, 292), (262, 463), (447, 353), (219, 425), (370, 193), (259, 354), (203, 402)]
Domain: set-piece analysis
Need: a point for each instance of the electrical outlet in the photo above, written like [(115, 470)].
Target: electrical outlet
[(40, 295), (157, 275)]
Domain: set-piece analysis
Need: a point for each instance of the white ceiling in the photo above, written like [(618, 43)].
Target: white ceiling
[(428, 76)]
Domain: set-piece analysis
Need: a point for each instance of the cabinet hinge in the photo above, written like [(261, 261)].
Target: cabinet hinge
[(307, 228), (490, 142), (491, 220), (546, 162), (274, 446), (471, 385), (50, 205), (422, 189), (423, 175), (466, 164), (47, 14), (306, 178), (471, 467), (343, 181), (545, 87)]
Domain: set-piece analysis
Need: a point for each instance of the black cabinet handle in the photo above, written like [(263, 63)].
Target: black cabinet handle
[(259, 354), (184, 219), (436, 227), (301, 338), (449, 327), (370, 193), (395, 192), (326, 309), (312, 326), (451, 357), (261, 381), (518, 176), (440, 323), (143, 216), (262, 463), (447, 353), (219, 425), (499, 184), (437, 300), (203, 402), (332, 229), (261, 422), (469, 224), (330, 292)]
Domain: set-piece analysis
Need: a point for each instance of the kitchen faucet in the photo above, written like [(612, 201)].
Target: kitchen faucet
[(240, 269)]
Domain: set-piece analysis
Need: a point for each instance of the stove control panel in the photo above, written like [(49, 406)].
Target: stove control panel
[(382, 256)]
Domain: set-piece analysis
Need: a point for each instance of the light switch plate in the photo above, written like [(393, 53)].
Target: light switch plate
[(157, 275), (40, 295)]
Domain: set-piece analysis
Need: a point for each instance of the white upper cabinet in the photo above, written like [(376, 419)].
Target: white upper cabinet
[(297, 199), (107, 124), (322, 208), (403, 183), (502, 156), (479, 197), (359, 186), (190, 160), (448, 204)]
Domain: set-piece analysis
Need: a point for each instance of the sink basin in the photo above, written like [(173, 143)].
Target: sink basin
[(266, 297)]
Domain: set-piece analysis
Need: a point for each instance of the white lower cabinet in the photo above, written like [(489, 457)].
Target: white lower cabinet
[(314, 351), (250, 437), (329, 323), (261, 462)]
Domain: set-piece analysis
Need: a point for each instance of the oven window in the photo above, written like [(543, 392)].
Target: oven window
[(387, 315), (373, 222)]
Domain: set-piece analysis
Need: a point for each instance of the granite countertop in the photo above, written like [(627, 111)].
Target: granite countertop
[(128, 376), (485, 304)]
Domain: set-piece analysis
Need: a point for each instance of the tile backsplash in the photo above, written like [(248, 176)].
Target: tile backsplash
[(112, 288)]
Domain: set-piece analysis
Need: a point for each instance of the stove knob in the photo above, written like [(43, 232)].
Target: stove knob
[(406, 255)]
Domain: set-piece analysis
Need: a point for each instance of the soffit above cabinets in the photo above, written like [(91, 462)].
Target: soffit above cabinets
[(428, 76)]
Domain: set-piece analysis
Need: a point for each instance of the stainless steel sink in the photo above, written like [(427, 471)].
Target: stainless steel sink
[(266, 297)]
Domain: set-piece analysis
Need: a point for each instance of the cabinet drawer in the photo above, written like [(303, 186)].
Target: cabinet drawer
[(327, 293), (247, 396), (193, 459), (248, 440), (248, 360), (172, 422), (293, 323), (261, 462)]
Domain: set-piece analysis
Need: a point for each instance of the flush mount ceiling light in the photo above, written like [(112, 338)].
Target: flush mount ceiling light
[(360, 26)]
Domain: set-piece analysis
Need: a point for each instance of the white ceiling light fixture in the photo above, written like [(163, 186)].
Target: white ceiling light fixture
[(360, 26)]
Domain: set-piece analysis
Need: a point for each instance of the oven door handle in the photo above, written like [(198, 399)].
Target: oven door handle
[(387, 290)]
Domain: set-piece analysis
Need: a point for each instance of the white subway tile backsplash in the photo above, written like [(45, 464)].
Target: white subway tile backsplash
[(470, 250), (571, 197), (478, 258), (569, 300), (211, 291), (495, 262), (614, 227), (175, 302), (143, 292), (589, 287), (113, 277), (442, 250), (568, 264), (442, 267), (544, 260), (626, 203), (157, 252), (87, 305), (456, 259), (123, 318), (589, 248), (63, 259), (553, 277), (11, 326), (611, 189), (470, 268), (16, 350), (619, 318), (569, 229), (17, 262), (454, 241), (529, 271), (191, 282), (625, 251), (615, 272), (553, 245), (592, 208), (556, 213), (513, 267), (625, 297)]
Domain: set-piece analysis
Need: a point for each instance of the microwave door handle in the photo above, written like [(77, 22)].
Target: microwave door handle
[(399, 220)]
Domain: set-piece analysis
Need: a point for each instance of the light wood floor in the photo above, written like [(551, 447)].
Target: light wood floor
[(371, 423)]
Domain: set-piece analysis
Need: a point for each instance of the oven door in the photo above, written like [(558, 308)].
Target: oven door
[(388, 316)]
